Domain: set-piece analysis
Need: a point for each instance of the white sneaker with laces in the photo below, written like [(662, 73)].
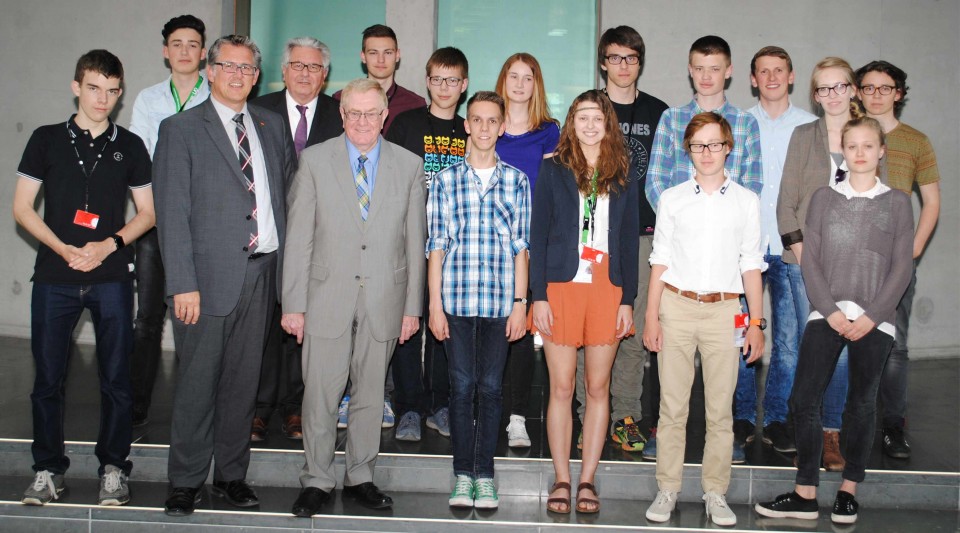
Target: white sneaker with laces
[(113, 487), (662, 506), (45, 488), (718, 510), (517, 436)]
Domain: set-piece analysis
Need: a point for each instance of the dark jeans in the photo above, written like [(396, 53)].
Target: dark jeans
[(893, 385), (819, 352), (477, 353), (420, 385), (518, 376), (281, 374), (148, 327), (56, 308)]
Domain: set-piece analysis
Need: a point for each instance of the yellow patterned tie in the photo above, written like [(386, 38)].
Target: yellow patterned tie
[(363, 192)]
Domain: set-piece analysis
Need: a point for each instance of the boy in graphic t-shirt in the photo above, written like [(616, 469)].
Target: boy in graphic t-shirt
[(437, 134)]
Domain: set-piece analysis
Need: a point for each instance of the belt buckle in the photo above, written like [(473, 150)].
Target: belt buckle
[(699, 301)]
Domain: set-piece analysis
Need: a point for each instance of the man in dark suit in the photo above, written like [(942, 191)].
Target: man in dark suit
[(352, 287), (220, 171), (311, 117)]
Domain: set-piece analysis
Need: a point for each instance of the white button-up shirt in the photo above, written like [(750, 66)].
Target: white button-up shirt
[(707, 241)]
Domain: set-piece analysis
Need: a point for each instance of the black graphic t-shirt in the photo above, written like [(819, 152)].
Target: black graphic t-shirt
[(439, 142), (638, 122)]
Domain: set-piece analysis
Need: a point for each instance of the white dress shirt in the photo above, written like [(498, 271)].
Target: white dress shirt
[(294, 114), (269, 241), (707, 241)]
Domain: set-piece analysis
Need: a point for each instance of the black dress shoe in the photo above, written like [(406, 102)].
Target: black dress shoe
[(237, 492), (309, 502), (181, 501), (368, 495)]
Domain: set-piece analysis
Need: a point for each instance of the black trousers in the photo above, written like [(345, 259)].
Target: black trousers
[(148, 325), (281, 374)]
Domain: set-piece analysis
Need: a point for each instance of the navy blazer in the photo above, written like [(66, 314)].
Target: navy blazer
[(555, 225)]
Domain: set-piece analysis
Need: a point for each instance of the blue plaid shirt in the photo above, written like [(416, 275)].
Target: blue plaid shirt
[(670, 165), (480, 231)]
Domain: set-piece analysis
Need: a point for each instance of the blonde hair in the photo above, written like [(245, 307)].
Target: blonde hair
[(843, 66), (537, 106)]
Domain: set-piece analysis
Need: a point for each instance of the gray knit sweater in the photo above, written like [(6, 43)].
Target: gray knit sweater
[(858, 250)]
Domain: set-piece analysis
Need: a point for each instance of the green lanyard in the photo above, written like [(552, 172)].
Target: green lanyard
[(176, 95), (589, 208)]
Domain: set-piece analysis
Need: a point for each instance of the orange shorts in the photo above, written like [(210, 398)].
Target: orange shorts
[(585, 313)]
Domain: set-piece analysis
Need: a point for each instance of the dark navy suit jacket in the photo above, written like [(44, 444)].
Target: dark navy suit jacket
[(555, 225)]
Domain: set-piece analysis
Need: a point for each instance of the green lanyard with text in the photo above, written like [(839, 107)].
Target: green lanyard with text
[(176, 95), (589, 208)]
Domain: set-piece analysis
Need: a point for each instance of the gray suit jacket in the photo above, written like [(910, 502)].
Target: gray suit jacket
[(331, 252), (203, 206)]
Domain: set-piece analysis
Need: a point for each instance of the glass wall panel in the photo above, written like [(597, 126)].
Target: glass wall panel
[(561, 34)]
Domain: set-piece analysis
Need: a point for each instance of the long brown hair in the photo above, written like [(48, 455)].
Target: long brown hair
[(613, 161), (537, 106)]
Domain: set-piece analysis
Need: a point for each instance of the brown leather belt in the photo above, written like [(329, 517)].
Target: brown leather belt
[(706, 298)]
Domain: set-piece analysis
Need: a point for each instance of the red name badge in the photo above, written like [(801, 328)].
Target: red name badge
[(85, 219), (591, 254), (740, 320)]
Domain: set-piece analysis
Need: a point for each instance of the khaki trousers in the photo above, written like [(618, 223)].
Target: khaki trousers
[(689, 326)]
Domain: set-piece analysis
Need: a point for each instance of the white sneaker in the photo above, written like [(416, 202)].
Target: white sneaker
[(718, 510), (662, 506), (517, 432)]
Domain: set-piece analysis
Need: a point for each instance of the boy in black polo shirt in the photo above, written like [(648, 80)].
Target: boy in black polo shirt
[(85, 165), (436, 134)]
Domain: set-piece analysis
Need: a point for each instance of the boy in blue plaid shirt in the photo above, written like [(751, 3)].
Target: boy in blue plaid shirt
[(478, 214), (709, 68)]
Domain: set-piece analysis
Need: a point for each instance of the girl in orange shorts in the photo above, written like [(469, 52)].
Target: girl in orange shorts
[(584, 244)]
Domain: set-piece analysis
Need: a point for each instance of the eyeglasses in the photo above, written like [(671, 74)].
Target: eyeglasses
[(838, 89), (231, 68), (713, 147), (439, 80), (354, 116), (882, 89), (299, 65), (614, 59)]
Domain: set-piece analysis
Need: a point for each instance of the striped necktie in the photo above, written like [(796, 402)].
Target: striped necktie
[(246, 166)]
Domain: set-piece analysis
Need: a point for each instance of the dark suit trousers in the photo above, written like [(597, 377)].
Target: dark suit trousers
[(281, 377), (217, 374)]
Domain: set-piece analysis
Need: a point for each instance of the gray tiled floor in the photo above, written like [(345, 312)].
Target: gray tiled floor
[(428, 508), (934, 403)]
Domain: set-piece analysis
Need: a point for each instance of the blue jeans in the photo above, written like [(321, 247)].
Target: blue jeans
[(819, 352), (56, 308), (835, 397), (788, 297), (476, 356)]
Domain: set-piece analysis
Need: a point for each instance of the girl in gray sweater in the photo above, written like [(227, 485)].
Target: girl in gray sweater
[(857, 262)]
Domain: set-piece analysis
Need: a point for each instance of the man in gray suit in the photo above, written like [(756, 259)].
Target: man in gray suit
[(220, 171), (352, 286)]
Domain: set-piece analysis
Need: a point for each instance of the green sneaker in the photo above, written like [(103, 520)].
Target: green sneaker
[(627, 434), (463, 492), (486, 494)]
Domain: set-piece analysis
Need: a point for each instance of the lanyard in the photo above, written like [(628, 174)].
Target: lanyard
[(83, 167), (176, 95), (589, 209)]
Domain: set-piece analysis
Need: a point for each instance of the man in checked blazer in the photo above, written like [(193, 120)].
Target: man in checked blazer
[(220, 173), (353, 279)]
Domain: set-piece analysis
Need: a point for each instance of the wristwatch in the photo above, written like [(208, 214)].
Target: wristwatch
[(759, 322), (520, 300), (118, 240)]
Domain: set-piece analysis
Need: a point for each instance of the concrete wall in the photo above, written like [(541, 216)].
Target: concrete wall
[(40, 41)]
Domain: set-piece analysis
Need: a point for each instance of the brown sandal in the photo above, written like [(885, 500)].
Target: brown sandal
[(588, 501), (559, 501)]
